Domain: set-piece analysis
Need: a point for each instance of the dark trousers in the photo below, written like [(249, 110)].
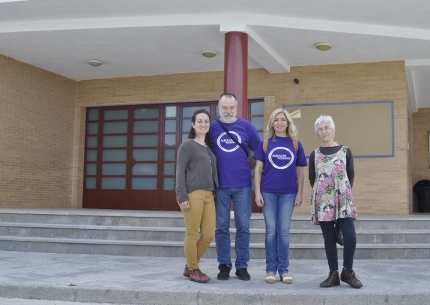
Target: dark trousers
[(349, 239)]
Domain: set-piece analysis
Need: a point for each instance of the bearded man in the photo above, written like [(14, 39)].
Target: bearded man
[(233, 139)]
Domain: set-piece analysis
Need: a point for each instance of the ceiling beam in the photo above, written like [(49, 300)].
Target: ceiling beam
[(216, 19)]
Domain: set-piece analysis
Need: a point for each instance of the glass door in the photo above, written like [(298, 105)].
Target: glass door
[(130, 153)]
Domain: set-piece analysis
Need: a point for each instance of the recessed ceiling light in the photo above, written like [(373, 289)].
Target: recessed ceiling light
[(323, 46), (95, 62), (209, 53)]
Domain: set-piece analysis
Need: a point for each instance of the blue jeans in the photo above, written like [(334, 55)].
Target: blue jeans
[(278, 209), (241, 198)]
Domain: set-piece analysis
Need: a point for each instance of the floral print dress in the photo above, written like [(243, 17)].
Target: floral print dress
[(331, 194)]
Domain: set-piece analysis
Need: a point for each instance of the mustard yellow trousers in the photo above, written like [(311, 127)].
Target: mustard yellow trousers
[(199, 219)]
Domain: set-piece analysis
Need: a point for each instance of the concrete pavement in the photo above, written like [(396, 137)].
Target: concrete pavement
[(67, 279)]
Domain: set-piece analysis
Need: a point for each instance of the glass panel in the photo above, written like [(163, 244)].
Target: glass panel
[(93, 115), (257, 122), (113, 183), (186, 125), (151, 140), (91, 169), (170, 126), (93, 128), (92, 142), (90, 183), (217, 112), (91, 155), (261, 134), (168, 184), (116, 114), (145, 154), (114, 155), (145, 169), (113, 169), (169, 169), (170, 111), (257, 108), (114, 141), (169, 154), (144, 183), (115, 127), (189, 111), (184, 136), (170, 140), (145, 126), (152, 113)]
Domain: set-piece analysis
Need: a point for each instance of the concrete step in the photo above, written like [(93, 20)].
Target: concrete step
[(297, 236), (94, 217), (153, 233), (175, 248), (152, 280), (174, 219)]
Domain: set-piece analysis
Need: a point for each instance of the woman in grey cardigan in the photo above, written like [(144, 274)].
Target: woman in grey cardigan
[(196, 179)]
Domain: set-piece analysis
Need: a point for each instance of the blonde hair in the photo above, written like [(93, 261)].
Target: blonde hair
[(291, 129)]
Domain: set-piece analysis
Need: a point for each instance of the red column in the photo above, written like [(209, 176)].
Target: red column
[(236, 69)]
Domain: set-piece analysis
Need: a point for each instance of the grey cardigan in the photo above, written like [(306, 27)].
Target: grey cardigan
[(193, 169)]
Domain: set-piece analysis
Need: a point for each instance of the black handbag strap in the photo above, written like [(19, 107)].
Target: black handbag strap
[(231, 137)]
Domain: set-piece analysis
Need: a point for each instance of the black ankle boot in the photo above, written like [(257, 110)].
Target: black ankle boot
[(348, 276), (332, 280)]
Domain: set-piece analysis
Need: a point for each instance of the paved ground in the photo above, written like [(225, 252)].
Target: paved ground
[(68, 279), (4, 301)]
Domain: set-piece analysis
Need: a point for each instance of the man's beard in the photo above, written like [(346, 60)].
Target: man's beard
[(229, 118)]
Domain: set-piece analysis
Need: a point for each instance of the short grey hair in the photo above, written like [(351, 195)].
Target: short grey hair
[(324, 118)]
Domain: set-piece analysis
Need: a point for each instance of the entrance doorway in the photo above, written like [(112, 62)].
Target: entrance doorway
[(130, 153)]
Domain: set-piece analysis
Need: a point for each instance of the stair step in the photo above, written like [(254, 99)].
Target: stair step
[(175, 249), (154, 233), (177, 233), (175, 219)]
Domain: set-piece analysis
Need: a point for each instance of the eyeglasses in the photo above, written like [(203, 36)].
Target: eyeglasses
[(321, 130)]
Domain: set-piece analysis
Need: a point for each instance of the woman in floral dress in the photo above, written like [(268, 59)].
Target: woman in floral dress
[(331, 174)]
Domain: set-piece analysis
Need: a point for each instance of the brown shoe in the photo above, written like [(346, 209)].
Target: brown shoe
[(348, 276), (332, 280), (197, 276), (186, 271)]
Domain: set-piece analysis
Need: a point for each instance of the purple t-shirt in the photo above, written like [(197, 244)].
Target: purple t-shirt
[(280, 162), (232, 162)]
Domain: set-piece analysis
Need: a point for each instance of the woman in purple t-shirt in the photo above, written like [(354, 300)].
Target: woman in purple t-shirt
[(279, 178)]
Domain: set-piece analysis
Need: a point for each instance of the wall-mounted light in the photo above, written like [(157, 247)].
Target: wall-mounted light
[(95, 62), (209, 53), (323, 46)]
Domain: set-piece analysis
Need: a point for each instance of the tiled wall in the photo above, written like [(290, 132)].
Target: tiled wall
[(37, 113), (42, 127)]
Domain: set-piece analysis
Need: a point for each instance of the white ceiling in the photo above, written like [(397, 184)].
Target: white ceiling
[(147, 37)]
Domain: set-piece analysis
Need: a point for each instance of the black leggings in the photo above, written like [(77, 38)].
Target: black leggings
[(349, 239)]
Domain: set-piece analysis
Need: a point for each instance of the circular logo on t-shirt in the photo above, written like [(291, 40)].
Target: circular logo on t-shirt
[(281, 157), (226, 143)]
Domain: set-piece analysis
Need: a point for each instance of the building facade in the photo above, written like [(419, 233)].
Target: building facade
[(44, 126)]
